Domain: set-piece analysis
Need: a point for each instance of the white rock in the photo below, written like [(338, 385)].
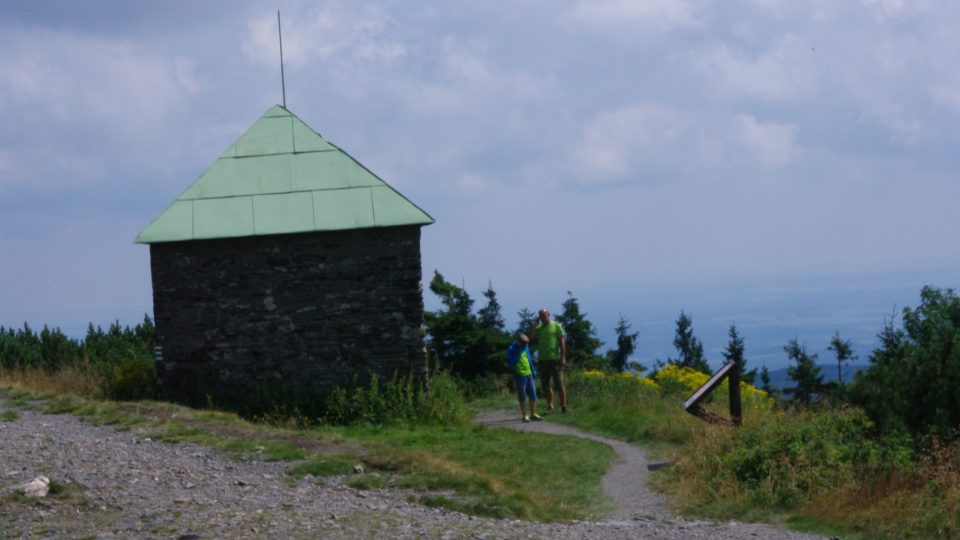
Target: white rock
[(38, 487)]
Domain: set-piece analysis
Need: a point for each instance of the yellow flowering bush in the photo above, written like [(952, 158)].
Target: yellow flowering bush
[(679, 379), (596, 382)]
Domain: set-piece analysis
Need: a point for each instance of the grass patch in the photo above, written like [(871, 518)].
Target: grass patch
[(262, 449), (495, 472), (9, 416), (492, 472), (368, 481), (335, 464)]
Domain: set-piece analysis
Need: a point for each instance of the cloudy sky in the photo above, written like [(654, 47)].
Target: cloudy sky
[(560, 145)]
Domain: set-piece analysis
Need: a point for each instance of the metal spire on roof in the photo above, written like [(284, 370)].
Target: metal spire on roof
[(283, 83)]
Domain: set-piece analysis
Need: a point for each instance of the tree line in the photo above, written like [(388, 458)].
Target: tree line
[(911, 385)]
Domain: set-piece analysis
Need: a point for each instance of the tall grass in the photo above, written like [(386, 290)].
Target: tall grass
[(824, 466)]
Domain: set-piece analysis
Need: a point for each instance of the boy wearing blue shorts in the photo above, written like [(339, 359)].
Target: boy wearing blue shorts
[(520, 361)]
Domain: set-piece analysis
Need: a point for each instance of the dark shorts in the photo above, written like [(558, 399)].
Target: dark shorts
[(526, 388), (550, 370)]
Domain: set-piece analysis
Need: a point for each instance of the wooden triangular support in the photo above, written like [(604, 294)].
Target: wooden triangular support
[(730, 371)]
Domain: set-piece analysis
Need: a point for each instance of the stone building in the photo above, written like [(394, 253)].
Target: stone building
[(285, 269)]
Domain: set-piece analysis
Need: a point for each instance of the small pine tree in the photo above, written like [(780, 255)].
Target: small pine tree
[(581, 336), (489, 315), (843, 350), (526, 320), (626, 344), (805, 373), (689, 347), (765, 382), (734, 352)]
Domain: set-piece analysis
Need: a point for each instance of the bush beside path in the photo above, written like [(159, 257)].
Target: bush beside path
[(625, 484)]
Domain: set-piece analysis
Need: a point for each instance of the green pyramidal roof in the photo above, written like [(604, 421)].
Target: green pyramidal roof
[(281, 177)]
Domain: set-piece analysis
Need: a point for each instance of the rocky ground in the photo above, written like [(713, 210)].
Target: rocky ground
[(121, 484)]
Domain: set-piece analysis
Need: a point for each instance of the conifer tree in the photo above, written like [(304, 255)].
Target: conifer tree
[(843, 350), (581, 336), (525, 320), (489, 315), (765, 382), (689, 347), (805, 373), (734, 352), (626, 344), (456, 337)]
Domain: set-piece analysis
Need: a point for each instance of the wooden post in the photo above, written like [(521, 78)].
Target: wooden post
[(733, 381), (731, 372)]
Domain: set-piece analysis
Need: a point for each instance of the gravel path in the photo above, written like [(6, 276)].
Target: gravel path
[(121, 484)]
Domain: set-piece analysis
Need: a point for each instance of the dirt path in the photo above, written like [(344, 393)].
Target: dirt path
[(626, 482), (121, 484)]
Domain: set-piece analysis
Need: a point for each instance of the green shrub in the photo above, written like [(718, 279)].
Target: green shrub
[(132, 379), (402, 400)]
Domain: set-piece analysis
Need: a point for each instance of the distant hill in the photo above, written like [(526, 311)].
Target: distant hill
[(780, 379)]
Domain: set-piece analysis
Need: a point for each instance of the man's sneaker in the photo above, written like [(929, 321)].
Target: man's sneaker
[(526, 418), (536, 418)]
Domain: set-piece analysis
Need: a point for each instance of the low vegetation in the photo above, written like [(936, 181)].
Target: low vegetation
[(878, 458)]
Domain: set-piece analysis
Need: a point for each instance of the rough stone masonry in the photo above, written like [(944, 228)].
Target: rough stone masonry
[(251, 322)]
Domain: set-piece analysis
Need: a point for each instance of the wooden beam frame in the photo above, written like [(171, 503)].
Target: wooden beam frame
[(729, 371)]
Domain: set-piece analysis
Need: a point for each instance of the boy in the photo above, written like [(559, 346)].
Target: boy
[(520, 362)]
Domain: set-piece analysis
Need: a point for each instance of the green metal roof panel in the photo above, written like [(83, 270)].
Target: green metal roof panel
[(389, 208), (283, 213), (343, 209), (174, 224), (330, 170), (248, 176), (222, 218), (271, 135), (281, 177), (307, 140)]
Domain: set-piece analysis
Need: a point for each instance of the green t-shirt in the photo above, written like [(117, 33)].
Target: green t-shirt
[(523, 364), (548, 341)]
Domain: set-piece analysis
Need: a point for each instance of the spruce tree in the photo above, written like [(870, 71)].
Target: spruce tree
[(734, 352), (489, 315), (689, 347), (765, 382), (626, 344), (526, 320), (581, 336), (456, 338), (805, 373), (843, 350)]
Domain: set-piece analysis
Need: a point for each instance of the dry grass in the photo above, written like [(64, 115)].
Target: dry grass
[(66, 380), (879, 498)]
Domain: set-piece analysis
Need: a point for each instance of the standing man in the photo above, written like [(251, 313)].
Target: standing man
[(520, 361), (552, 358)]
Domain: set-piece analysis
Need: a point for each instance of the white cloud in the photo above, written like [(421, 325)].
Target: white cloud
[(902, 126), (772, 143), (335, 31), (785, 71), (471, 183), (947, 93), (619, 144), (634, 18), (77, 79)]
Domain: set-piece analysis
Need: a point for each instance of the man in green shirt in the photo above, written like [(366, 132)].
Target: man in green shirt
[(552, 358)]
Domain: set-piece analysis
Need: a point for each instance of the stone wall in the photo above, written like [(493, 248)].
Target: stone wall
[(252, 323)]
